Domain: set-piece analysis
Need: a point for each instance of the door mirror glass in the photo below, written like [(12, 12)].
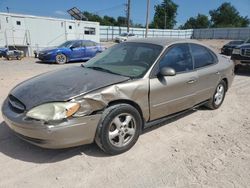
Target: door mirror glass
[(167, 71)]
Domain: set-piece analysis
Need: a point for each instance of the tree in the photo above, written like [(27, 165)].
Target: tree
[(138, 25), (165, 15), (121, 21), (92, 17), (200, 21), (228, 16), (107, 20)]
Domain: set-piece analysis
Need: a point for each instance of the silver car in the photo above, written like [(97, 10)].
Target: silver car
[(114, 96), (125, 37)]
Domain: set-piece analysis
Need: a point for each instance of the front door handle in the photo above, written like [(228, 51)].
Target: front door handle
[(218, 73), (191, 81)]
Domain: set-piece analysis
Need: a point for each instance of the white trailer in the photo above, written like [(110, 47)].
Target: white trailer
[(29, 33)]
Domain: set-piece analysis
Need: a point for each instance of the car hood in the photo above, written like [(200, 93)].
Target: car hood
[(230, 45), (246, 45), (49, 50), (62, 85)]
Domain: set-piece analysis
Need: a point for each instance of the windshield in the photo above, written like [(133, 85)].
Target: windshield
[(128, 59), (66, 44), (236, 42), (247, 41)]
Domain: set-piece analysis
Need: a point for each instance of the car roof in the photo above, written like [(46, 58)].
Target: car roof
[(80, 40), (163, 41)]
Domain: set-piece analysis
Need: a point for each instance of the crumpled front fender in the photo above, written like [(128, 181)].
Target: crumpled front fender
[(136, 91)]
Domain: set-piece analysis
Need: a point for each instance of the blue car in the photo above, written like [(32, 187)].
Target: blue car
[(3, 52), (73, 50)]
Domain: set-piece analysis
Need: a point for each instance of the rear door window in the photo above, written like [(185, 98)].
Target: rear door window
[(202, 56), (88, 43)]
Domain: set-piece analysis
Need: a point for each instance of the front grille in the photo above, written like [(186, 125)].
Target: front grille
[(16, 104), (246, 52)]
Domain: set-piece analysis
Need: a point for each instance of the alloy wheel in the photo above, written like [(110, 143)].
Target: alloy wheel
[(61, 59), (122, 130), (219, 95)]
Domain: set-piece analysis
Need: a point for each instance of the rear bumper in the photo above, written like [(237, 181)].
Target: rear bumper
[(69, 133)]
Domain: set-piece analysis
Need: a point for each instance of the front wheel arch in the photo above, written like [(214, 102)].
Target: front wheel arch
[(132, 103)]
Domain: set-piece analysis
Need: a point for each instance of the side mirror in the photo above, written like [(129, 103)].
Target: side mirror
[(72, 47), (167, 71)]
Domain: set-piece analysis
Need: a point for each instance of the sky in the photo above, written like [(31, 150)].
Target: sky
[(115, 8)]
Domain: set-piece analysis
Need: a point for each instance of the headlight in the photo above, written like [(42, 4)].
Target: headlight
[(236, 51), (53, 111)]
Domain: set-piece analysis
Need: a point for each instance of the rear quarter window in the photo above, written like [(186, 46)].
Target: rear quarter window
[(202, 56)]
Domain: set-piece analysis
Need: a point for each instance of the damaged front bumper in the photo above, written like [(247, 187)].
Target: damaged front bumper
[(68, 133)]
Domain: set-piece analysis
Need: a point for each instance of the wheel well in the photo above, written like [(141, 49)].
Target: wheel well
[(225, 80), (132, 103)]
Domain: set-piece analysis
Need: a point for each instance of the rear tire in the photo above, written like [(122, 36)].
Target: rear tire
[(118, 129), (218, 96), (61, 59)]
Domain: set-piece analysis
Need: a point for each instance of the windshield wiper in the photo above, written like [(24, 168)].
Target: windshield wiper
[(103, 70)]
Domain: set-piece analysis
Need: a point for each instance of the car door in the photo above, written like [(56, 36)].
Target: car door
[(91, 49), (171, 94), (205, 64), (77, 50)]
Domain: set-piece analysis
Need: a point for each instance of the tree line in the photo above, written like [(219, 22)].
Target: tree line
[(110, 21), (226, 15)]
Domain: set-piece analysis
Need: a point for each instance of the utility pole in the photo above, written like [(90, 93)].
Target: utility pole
[(165, 17), (147, 18), (128, 15), (165, 20)]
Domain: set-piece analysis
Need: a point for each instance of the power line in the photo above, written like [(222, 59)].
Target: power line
[(110, 8)]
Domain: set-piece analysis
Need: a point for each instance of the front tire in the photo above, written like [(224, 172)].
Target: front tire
[(218, 97), (61, 59), (119, 129)]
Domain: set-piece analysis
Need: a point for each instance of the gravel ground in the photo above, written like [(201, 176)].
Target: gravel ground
[(203, 148)]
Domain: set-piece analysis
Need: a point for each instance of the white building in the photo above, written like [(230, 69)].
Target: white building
[(30, 33)]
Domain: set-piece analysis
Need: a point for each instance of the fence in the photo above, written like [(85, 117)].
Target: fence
[(108, 33), (222, 33)]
